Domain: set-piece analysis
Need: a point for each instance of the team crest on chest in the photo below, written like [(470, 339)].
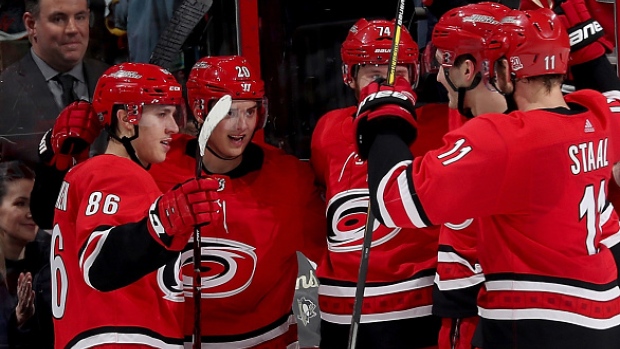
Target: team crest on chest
[(227, 267), (346, 219)]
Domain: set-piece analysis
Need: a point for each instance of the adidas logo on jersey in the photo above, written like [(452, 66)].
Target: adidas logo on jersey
[(588, 127)]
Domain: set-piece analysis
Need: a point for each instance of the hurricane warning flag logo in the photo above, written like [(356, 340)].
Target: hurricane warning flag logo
[(346, 217), (227, 267)]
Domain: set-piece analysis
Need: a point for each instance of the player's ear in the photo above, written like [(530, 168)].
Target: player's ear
[(124, 128), (469, 69), (353, 83)]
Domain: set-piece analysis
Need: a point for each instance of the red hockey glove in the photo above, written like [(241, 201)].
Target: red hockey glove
[(173, 216), (74, 131), (586, 35), (385, 107)]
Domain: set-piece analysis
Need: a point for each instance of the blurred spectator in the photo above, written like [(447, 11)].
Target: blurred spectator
[(143, 21), (5, 308), (27, 306), (31, 90)]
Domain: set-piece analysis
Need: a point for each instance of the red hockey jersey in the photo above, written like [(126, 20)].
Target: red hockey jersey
[(538, 181), (459, 275), (402, 261), (94, 198), (271, 209)]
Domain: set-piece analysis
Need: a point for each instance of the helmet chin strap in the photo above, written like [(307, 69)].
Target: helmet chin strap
[(461, 93), (229, 158), (126, 142), (511, 104), (461, 103)]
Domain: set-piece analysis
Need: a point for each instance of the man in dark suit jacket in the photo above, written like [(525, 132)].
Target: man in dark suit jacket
[(31, 91)]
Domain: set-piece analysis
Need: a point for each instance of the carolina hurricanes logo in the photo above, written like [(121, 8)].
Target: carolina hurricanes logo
[(169, 280), (346, 217), (227, 267)]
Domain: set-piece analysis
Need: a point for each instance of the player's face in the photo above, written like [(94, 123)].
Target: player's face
[(370, 72), (157, 125), (59, 32), (16, 224), (233, 134)]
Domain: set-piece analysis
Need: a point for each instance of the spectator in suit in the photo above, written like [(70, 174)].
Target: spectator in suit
[(54, 73)]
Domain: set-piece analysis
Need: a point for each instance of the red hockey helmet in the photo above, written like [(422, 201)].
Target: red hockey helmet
[(428, 60), (533, 42), (370, 42), (214, 77), (134, 85), (467, 30)]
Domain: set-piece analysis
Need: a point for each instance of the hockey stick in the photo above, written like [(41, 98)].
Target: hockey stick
[(183, 21), (217, 114), (370, 217)]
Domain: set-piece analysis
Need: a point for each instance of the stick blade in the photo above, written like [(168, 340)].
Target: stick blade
[(216, 114)]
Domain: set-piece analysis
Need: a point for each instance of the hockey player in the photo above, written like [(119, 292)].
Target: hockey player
[(457, 249), (536, 179), (116, 238), (465, 75), (397, 306), (270, 207)]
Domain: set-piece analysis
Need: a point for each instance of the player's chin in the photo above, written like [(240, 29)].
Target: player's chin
[(157, 157)]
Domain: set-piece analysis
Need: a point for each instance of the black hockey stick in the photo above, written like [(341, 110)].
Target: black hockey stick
[(183, 21), (217, 114), (370, 217)]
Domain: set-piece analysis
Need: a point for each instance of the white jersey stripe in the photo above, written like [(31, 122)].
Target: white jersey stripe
[(611, 240), (405, 195), (457, 284), (378, 317), (251, 342), (410, 207), (574, 291), (452, 257), (371, 291), (123, 338), (385, 215), (85, 264), (551, 315)]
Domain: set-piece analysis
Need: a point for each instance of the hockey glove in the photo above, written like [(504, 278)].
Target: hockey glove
[(385, 108), (586, 35), (68, 142), (173, 216)]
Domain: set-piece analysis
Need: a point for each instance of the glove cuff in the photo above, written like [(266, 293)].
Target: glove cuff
[(156, 227)]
